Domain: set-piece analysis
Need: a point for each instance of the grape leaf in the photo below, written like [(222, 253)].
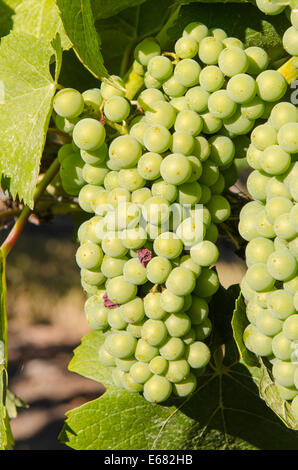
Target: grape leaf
[(104, 9), (25, 108), (225, 412), (41, 19), (78, 20)]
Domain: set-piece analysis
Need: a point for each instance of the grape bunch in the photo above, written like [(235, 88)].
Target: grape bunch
[(269, 223), (154, 196)]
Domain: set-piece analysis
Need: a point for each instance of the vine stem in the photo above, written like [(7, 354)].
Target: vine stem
[(18, 227)]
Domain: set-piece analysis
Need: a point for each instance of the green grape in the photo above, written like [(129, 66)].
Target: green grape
[(95, 157), (292, 286), (186, 47), (211, 78), (156, 210), (270, 8), (157, 138), (112, 245), (89, 134), (158, 365), (145, 50), (253, 109), (130, 384), (211, 124), (257, 342), (160, 67), (95, 278), (171, 302), (203, 330), (197, 99), (168, 245), (204, 253), (139, 196), (191, 231), (253, 310), (94, 174), (172, 349), (105, 358), (283, 113), (125, 151), (140, 372), (198, 311), (182, 143), (157, 389), (287, 137), (89, 255), (92, 98), (120, 344), (151, 82), (149, 96), (263, 225), (117, 376), (158, 269), (276, 206), (271, 85), (115, 320), (258, 277), (281, 265), (137, 131), (65, 125), (153, 307), (290, 327), (112, 267), (185, 387), (281, 347), (274, 160), (222, 150), (196, 30), (257, 60), (132, 311), (189, 122), (221, 105), (275, 187), (175, 169), (177, 370), (144, 351), (258, 250), (71, 174), (134, 238), (197, 170), (187, 72), (179, 103), (162, 113), (238, 124), (290, 41), (112, 87), (254, 157), (212, 233), (210, 173), (181, 281), (64, 151), (241, 88), (135, 272), (294, 217), (189, 193), (198, 355), (283, 373), (283, 227), (286, 393), (207, 283), (268, 324), (96, 313), (68, 103), (264, 136), (219, 208), (116, 108), (219, 186), (149, 165), (154, 332), (164, 190), (233, 61), (125, 364), (256, 185), (247, 292), (202, 148), (130, 179), (173, 88), (233, 42), (178, 324), (219, 33), (120, 291), (247, 229), (86, 196), (209, 50), (280, 304)]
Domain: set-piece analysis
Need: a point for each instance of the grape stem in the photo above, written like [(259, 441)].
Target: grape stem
[(19, 225)]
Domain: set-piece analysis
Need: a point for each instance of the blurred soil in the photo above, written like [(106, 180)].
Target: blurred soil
[(46, 322)]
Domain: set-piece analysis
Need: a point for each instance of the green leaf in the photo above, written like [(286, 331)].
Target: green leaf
[(41, 19), (104, 9), (25, 108), (78, 21), (225, 412)]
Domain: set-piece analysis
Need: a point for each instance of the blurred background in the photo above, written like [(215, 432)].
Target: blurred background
[(46, 322)]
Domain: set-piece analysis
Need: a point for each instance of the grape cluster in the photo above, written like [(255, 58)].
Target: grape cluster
[(154, 196), (269, 223)]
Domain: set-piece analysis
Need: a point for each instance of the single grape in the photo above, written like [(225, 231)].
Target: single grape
[(157, 389), (233, 61), (68, 103), (196, 30), (89, 255), (178, 324), (125, 151), (157, 138), (221, 105), (287, 137), (160, 67), (120, 291), (238, 124), (198, 355), (112, 87), (186, 47), (158, 365), (270, 8), (197, 98), (257, 60), (283, 373), (209, 50), (120, 344), (144, 351), (281, 265), (187, 72), (290, 41), (181, 281), (116, 108), (271, 85), (158, 270), (145, 50), (92, 98)]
